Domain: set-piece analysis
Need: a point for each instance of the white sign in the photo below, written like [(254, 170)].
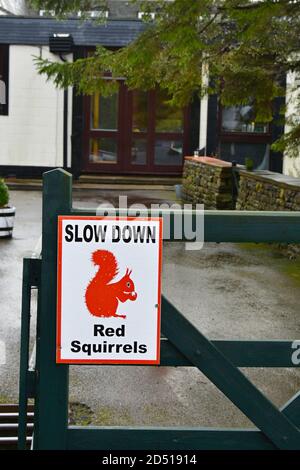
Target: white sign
[(109, 290)]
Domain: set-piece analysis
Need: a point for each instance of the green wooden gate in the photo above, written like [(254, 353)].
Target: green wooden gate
[(218, 360)]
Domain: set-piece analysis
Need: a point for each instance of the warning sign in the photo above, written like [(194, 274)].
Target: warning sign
[(109, 290)]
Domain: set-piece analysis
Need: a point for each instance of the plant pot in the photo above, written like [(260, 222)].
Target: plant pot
[(7, 218)]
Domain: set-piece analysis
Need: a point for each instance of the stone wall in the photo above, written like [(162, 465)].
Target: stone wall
[(215, 183), (268, 191), (208, 181), (211, 182)]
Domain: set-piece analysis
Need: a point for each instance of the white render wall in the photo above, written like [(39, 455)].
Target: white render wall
[(16, 7), (291, 165), (204, 110), (32, 133), (203, 123)]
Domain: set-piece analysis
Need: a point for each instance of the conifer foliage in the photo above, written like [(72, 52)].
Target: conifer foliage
[(247, 46)]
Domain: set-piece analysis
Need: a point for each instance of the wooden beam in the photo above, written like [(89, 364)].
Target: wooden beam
[(229, 380), (244, 353), (137, 438), (224, 226)]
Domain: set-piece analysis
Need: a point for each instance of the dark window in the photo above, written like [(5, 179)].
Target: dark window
[(4, 52), (241, 138), (240, 152), (241, 119)]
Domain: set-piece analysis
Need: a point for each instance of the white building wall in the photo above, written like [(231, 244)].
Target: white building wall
[(15, 7), (32, 133), (203, 123), (204, 111), (291, 164)]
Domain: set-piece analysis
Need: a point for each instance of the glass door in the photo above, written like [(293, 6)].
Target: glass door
[(158, 133), (102, 133), (139, 131), (135, 132), (168, 134)]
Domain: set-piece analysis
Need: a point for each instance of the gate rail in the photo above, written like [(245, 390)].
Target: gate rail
[(218, 360)]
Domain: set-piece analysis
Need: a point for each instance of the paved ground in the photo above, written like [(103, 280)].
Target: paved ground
[(228, 291)]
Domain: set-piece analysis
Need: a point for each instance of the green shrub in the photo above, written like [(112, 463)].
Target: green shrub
[(4, 196)]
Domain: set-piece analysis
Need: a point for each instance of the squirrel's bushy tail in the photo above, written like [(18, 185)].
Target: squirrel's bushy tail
[(107, 263)]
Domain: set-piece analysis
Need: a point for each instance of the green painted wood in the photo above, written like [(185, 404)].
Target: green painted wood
[(31, 384), (243, 353), (112, 438), (31, 278), (24, 355), (252, 226), (230, 226), (240, 353), (189, 348), (210, 361), (51, 407), (292, 409)]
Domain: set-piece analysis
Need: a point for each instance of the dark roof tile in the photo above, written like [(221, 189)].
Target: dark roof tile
[(36, 31)]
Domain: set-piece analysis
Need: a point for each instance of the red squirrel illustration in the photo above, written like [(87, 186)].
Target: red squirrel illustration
[(101, 297)]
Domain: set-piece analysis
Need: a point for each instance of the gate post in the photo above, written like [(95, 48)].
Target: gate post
[(51, 404)]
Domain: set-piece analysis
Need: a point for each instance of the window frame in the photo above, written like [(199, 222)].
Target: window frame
[(242, 137), (4, 71), (250, 138), (151, 136), (125, 137), (90, 133)]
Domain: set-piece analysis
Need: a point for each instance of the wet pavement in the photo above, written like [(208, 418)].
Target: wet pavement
[(228, 291)]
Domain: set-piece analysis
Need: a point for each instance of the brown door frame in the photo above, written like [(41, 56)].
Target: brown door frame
[(89, 133), (124, 136)]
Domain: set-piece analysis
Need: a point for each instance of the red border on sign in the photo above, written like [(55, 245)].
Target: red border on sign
[(59, 360)]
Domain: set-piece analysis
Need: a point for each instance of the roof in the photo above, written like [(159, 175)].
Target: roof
[(36, 31)]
